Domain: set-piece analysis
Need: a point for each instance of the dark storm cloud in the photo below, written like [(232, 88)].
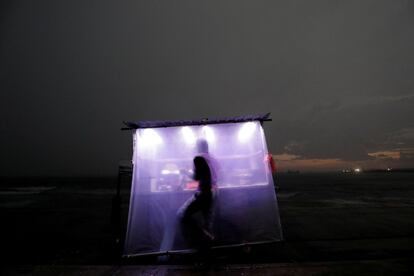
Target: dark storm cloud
[(351, 128), (338, 77)]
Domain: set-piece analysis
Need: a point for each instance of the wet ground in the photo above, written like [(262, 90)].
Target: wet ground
[(333, 224)]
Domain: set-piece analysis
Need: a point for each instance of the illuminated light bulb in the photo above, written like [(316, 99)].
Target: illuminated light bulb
[(246, 131), (208, 133), (170, 172), (150, 137), (189, 136)]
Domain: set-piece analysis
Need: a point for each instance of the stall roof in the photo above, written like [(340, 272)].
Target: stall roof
[(204, 121)]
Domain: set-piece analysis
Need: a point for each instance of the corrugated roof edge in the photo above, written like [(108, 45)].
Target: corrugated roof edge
[(205, 121)]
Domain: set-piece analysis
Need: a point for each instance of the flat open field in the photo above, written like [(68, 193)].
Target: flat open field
[(325, 217)]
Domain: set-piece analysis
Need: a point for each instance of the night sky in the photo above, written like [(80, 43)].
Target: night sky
[(337, 76)]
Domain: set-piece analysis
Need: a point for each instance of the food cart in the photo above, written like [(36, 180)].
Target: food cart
[(246, 210)]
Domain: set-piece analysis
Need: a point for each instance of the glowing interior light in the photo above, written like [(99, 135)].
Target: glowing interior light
[(150, 137), (208, 133), (170, 172), (357, 170), (246, 131), (189, 136)]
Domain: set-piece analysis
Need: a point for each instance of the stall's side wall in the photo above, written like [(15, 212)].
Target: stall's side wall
[(278, 224), (129, 240)]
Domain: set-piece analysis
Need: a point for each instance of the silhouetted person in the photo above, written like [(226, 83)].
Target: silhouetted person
[(199, 233)]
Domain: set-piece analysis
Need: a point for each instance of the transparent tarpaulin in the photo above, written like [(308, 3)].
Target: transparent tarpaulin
[(246, 208)]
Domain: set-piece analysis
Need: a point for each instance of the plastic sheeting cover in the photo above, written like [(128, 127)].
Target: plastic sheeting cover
[(245, 207)]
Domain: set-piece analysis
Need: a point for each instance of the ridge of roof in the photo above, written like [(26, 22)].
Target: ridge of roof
[(205, 121)]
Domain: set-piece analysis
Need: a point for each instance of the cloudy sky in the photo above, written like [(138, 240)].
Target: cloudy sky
[(337, 76)]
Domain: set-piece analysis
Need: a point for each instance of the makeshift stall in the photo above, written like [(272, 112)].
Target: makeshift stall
[(246, 209)]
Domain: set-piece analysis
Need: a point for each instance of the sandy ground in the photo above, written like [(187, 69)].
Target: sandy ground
[(333, 225)]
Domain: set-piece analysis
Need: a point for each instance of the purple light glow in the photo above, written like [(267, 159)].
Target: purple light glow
[(163, 173)]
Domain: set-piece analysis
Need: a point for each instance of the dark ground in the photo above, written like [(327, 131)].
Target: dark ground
[(333, 224)]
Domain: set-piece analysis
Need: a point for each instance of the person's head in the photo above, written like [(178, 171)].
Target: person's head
[(202, 145)]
